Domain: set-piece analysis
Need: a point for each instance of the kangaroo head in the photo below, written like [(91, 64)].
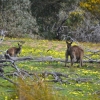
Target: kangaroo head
[(69, 44), (19, 45)]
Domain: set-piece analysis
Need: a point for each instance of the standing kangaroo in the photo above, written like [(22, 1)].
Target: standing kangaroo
[(13, 51), (76, 53)]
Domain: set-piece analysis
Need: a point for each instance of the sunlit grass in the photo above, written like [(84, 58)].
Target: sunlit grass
[(56, 49)]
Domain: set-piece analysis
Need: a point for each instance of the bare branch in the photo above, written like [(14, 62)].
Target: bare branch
[(1, 75), (2, 32)]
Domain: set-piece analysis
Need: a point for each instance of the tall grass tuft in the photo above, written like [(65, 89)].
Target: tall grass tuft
[(36, 90)]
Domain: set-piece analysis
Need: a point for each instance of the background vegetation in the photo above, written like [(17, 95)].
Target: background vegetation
[(51, 19)]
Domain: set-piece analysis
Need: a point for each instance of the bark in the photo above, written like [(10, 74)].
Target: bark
[(65, 78)]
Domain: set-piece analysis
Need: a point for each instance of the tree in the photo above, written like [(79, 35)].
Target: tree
[(47, 15), (93, 6), (16, 17)]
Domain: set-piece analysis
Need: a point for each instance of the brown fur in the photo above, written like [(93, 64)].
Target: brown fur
[(75, 52), (14, 51)]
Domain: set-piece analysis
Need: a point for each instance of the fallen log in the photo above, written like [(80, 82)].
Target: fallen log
[(44, 59), (14, 59), (65, 78), (51, 59)]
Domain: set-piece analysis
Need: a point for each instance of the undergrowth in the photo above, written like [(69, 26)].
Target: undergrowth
[(35, 90)]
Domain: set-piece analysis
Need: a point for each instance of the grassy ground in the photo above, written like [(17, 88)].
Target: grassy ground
[(38, 48)]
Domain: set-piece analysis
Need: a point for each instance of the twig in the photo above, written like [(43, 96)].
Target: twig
[(1, 75)]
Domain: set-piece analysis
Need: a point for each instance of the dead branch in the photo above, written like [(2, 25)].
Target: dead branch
[(51, 59), (15, 59), (97, 93), (79, 80), (1, 75), (45, 74), (20, 73), (64, 78), (44, 59), (2, 32), (56, 76)]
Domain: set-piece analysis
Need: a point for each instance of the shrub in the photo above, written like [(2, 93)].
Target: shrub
[(36, 90)]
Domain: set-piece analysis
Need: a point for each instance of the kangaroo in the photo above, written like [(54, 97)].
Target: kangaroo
[(13, 51), (75, 52)]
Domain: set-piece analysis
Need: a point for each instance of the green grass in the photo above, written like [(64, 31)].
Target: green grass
[(56, 49)]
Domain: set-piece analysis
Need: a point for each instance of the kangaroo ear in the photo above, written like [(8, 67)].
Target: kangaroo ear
[(71, 42), (66, 41), (18, 44)]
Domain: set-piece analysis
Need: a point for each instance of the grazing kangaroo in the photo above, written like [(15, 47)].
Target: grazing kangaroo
[(13, 51), (76, 53)]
